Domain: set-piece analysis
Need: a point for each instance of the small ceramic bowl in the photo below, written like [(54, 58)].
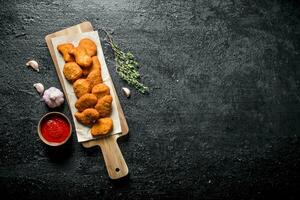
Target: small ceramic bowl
[(47, 116)]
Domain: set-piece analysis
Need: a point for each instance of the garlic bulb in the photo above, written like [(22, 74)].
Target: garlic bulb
[(39, 88), (33, 64), (53, 97), (126, 92)]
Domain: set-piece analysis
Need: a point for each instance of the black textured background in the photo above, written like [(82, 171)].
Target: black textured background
[(222, 119)]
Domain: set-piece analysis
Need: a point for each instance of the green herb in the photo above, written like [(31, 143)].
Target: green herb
[(127, 66)]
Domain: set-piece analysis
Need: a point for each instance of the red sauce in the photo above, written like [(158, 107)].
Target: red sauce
[(55, 128)]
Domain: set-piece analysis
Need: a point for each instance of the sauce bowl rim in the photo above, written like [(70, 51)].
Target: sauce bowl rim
[(54, 143)]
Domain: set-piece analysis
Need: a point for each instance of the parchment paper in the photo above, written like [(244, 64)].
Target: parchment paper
[(83, 132)]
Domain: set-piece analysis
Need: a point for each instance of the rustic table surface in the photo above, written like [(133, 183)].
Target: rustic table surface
[(222, 120)]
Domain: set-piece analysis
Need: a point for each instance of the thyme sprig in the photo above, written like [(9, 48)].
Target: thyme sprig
[(127, 66)]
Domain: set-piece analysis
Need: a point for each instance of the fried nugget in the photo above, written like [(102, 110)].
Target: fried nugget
[(81, 57), (86, 101), (103, 106), (81, 87), (65, 49), (94, 77), (102, 127), (89, 46), (100, 90), (72, 71), (95, 66), (87, 117)]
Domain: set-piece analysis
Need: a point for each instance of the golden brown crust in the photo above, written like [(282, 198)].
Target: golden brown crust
[(82, 61), (95, 74), (86, 101), (81, 57), (87, 117), (81, 87), (89, 46), (100, 90), (96, 66), (72, 71), (65, 49), (103, 106), (103, 126), (94, 77)]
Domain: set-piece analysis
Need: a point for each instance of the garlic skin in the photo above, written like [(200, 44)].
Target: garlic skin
[(126, 92), (39, 88), (53, 97), (33, 64)]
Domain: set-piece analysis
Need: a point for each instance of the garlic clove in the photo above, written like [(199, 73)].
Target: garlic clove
[(33, 64), (39, 88), (53, 95), (59, 101), (126, 91)]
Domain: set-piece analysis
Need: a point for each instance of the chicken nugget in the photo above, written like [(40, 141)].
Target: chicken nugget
[(81, 57), (87, 117), (65, 49), (81, 87), (94, 77), (103, 106), (72, 71), (86, 101), (102, 127), (100, 90), (95, 73), (89, 46), (95, 66)]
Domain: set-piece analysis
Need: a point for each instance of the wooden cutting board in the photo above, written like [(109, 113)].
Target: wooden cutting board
[(114, 160)]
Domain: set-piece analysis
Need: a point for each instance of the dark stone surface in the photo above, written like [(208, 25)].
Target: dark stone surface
[(222, 119)]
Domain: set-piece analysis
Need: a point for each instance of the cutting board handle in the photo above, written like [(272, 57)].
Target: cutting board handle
[(114, 160)]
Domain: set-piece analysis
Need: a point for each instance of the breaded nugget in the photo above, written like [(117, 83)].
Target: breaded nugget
[(87, 117), (95, 66), (86, 101), (65, 49), (94, 77), (72, 71), (81, 57), (81, 87), (89, 46), (100, 90), (95, 73), (103, 106), (102, 126)]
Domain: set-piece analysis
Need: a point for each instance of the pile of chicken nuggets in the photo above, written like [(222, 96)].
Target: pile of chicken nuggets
[(83, 69)]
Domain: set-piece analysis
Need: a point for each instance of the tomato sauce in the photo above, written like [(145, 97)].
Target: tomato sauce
[(55, 128)]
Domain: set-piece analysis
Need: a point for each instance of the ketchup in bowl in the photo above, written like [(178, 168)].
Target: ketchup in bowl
[(54, 129)]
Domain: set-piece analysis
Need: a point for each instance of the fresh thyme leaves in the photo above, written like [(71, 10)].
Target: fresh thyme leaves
[(127, 66)]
